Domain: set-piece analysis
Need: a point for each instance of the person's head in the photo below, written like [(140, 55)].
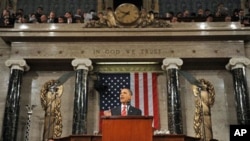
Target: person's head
[(186, 13), (100, 15), (68, 14), (61, 19), (19, 12), (209, 18), (39, 10), (79, 11), (169, 14), (200, 12), (43, 19), (174, 19), (207, 12), (52, 14), (179, 15), (125, 95), (241, 12), (228, 19)]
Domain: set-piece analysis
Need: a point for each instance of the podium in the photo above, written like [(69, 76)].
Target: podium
[(127, 128)]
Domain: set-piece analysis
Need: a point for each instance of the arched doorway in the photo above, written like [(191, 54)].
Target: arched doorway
[(138, 3)]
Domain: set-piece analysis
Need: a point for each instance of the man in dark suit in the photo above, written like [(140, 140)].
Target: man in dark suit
[(125, 109)]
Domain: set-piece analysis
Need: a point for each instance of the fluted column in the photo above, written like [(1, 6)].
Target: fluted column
[(237, 67), (82, 67), (171, 66), (11, 113)]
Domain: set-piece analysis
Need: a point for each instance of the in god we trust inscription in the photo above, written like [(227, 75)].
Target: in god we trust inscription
[(127, 52), (239, 132)]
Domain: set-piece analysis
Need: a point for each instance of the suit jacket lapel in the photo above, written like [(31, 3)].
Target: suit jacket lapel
[(130, 110)]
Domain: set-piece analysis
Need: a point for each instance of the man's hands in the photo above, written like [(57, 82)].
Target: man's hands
[(107, 113)]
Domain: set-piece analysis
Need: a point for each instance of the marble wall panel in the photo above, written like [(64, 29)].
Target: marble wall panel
[(193, 49)]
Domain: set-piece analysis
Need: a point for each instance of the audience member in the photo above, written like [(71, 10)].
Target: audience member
[(169, 14), (78, 13), (200, 12), (174, 19), (20, 13), (245, 21), (69, 18), (186, 13), (228, 18), (52, 17), (102, 20), (179, 15), (210, 18), (108, 17), (20, 19), (207, 12), (43, 19), (221, 10), (39, 12), (241, 15), (61, 19), (6, 19), (32, 18), (90, 16)]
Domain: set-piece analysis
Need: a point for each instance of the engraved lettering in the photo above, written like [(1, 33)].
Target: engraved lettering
[(97, 51), (112, 52), (150, 51), (132, 51)]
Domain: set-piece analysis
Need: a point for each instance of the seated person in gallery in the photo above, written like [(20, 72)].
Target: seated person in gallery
[(125, 109)]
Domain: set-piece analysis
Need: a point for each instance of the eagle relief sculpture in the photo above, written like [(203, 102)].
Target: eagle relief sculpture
[(50, 96)]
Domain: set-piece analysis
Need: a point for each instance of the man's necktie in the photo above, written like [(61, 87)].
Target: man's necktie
[(124, 111)]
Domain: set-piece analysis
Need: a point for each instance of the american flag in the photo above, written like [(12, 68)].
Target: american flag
[(142, 84)]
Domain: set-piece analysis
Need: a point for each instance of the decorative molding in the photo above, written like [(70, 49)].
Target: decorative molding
[(118, 68), (84, 63), (142, 23), (237, 62), (171, 63), (19, 64)]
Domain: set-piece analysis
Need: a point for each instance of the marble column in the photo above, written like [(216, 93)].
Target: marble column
[(82, 66), (171, 66), (101, 5), (11, 113), (155, 6), (237, 67)]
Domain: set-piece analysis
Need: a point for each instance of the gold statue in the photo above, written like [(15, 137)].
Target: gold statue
[(50, 96), (204, 101), (110, 17), (146, 18)]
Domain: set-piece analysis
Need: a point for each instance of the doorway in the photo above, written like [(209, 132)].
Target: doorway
[(138, 3)]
